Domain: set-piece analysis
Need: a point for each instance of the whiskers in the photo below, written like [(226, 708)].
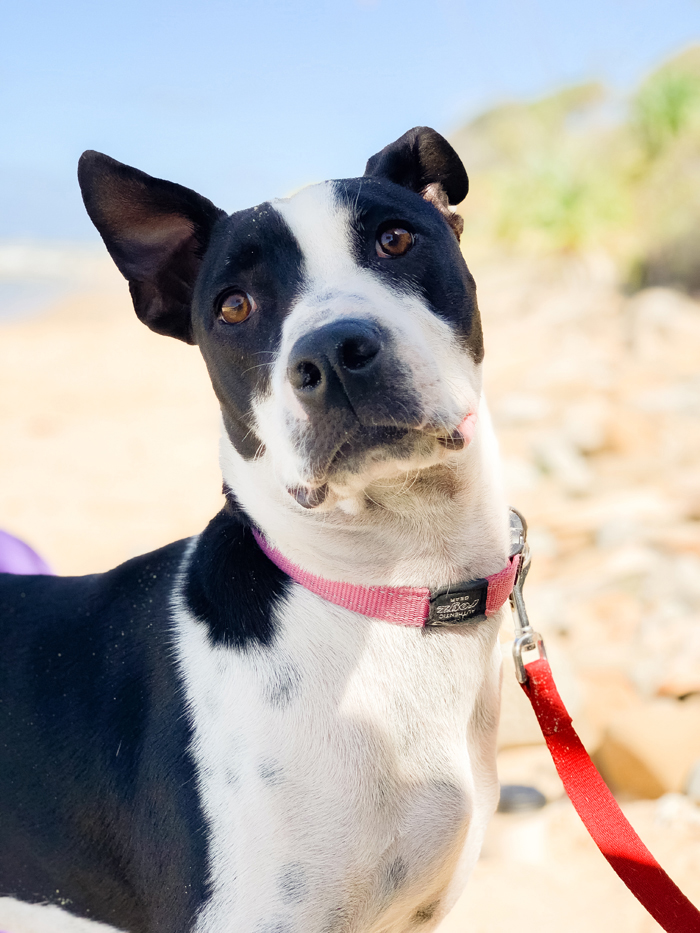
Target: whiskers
[(271, 353)]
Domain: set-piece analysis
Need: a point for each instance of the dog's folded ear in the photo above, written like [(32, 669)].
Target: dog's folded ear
[(425, 162), (155, 231)]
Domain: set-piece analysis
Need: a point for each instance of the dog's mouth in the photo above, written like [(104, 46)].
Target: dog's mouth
[(373, 445)]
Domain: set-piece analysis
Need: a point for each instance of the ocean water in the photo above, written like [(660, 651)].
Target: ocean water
[(35, 275), (23, 298)]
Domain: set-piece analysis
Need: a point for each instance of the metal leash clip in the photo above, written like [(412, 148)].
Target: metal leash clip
[(526, 638)]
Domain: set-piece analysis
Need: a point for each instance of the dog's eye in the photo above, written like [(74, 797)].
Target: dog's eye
[(235, 307), (394, 241)]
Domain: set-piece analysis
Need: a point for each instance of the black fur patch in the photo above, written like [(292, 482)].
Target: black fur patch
[(253, 251), (96, 734), (155, 231), (419, 158), (95, 739), (231, 586), (434, 266)]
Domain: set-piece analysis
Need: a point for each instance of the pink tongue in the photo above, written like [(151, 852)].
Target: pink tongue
[(467, 427)]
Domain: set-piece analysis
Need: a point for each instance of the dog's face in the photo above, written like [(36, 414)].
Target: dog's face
[(340, 326)]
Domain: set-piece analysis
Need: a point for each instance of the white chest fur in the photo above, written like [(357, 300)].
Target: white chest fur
[(346, 771)]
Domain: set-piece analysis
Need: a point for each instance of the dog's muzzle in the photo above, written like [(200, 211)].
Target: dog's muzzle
[(349, 369), (355, 393)]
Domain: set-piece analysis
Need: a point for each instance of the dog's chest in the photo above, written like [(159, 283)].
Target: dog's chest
[(334, 770)]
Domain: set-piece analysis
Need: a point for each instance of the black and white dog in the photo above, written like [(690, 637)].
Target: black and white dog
[(195, 741)]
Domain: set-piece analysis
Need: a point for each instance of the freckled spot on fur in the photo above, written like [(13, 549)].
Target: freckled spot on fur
[(283, 686), (423, 914), (396, 874), (271, 772), (448, 799), (292, 882), (274, 926), (339, 921)]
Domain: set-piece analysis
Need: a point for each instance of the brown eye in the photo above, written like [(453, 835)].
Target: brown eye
[(394, 241), (235, 307)]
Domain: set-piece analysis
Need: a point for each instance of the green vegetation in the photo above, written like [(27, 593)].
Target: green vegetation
[(664, 108), (579, 172)]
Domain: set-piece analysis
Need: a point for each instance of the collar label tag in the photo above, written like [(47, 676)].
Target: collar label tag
[(457, 605)]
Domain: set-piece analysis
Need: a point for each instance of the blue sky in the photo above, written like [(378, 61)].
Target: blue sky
[(245, 101)]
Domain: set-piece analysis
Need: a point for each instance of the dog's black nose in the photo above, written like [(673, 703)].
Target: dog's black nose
[(335, 364)]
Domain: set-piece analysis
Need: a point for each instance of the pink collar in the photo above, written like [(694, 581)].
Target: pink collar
[(407, 605)]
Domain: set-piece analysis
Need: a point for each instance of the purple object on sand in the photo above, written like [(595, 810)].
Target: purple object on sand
[(18, 557)]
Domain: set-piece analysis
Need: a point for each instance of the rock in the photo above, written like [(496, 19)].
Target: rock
[(680, 673), (519, 798), (586, 425), (677, 810), (606, 693), (650, 749), (557, 455), (660, 316), (531, 765)]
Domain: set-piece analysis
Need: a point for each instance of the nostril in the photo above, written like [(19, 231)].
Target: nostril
[(309, 376), (356, 352), (326, 360)]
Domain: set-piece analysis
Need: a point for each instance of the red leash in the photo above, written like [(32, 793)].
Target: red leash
[(600, 812), (598, 809)]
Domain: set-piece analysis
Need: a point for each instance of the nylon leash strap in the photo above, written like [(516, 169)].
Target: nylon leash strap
[(586, 789)]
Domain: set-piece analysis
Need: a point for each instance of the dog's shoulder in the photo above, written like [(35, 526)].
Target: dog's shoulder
[(91, 648), (93, 718), (39, 602)]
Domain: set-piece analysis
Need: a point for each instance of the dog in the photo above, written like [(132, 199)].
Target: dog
[(225, 735)]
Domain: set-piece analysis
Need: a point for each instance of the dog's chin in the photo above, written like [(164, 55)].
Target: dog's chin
[(363, 475)]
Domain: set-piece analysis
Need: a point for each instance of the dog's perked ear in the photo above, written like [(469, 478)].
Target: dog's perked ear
[(155, 231), (425, 162)]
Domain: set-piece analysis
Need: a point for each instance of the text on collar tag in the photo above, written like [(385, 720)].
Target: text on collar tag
[(456, 605)]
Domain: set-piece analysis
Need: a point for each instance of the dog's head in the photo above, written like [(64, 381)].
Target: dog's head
[(340, 326)]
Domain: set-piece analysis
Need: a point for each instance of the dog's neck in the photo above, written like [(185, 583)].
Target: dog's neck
[(440, 526)]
